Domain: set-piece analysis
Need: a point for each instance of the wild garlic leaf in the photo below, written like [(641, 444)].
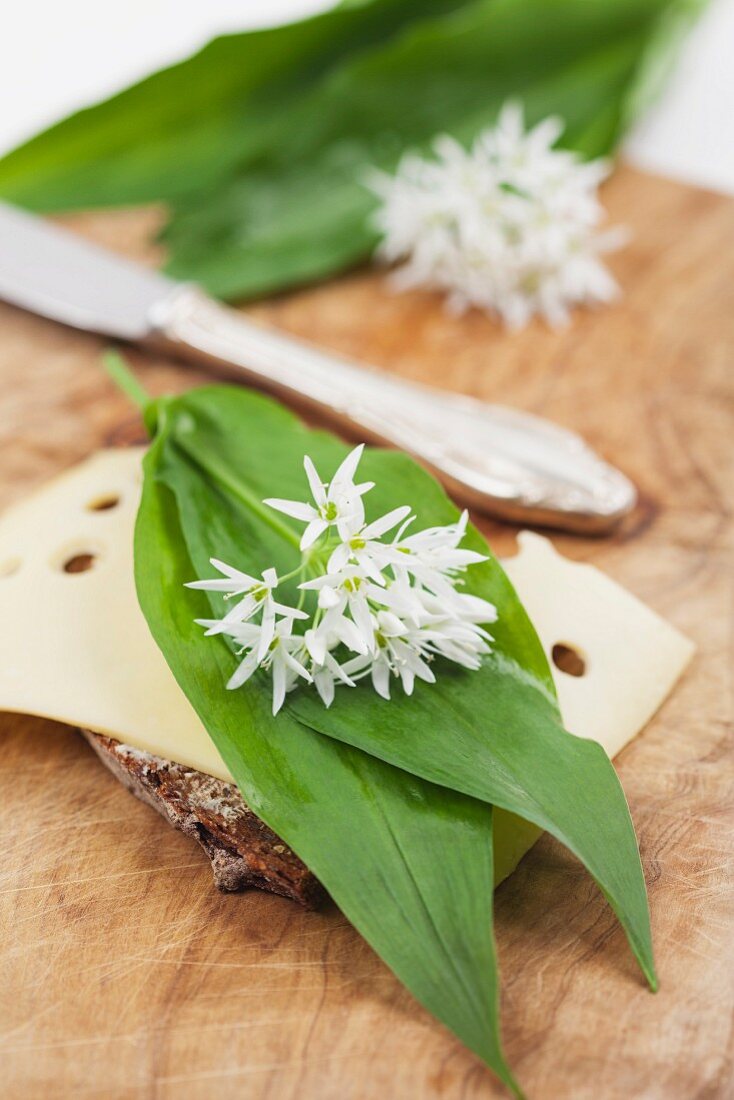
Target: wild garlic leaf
[(185, 127), (261, 141), (494, 734), (303, 211), (409, 863)]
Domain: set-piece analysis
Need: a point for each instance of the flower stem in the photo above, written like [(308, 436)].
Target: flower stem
[(224, 477), (124, 379)]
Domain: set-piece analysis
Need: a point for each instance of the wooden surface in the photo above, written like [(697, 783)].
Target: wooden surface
[(124, 974)]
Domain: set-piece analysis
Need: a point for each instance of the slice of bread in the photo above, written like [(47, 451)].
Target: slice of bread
[(243, 851)]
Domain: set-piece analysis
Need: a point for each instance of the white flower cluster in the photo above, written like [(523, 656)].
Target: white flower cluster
[(382, 608), (508, 226)]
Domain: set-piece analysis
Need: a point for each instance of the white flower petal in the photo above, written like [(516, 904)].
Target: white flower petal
[(242, 611), (295, 508), (324, 682), (350, 517), (482, 611), (230, 571), (408, 679), (390, 625), (381, 679), (267, 632), (357, 667), (362, 619), (315, 484), (329, 598), (423, 671), (315, 641), (289, 612), (243, 671), (213, 626), (315, 528), (347, 633), (404, 527), (294, 664), (339, 558), (319, 582), (345, 474), (338, 670), (279, 685), (368, 565), (218, 585), (379, 527)]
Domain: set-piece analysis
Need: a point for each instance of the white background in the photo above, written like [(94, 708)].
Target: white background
[(58, 55)]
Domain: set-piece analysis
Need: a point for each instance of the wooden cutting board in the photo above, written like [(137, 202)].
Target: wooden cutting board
[(125, 974)]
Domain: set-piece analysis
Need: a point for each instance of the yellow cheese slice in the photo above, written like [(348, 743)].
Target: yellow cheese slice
[(631, 658), (74, 645)]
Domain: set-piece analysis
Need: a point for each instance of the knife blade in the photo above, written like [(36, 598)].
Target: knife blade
[(509, 463)]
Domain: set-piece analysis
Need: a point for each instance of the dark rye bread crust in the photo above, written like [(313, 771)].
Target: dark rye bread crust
[(243, 851)]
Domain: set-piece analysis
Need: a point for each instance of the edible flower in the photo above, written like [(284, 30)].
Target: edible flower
[(383, 609), (508, 226)]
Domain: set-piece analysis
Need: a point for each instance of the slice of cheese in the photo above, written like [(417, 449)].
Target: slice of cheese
[(74, 645), (631, 658)]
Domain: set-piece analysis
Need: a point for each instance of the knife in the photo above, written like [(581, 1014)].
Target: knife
[(509, 463)]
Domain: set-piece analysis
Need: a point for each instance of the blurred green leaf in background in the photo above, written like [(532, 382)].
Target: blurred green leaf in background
[(260, 143)]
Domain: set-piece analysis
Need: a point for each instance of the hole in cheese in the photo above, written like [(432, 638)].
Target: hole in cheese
[(104, 502), (79, 563), (9, 566), (568, 659)]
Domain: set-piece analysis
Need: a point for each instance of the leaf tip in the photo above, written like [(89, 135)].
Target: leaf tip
[(513, 1086)]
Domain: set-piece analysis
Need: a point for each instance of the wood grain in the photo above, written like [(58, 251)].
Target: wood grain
[(124, 974)]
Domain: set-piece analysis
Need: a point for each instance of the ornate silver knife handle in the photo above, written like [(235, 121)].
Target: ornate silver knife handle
[(505, 462)]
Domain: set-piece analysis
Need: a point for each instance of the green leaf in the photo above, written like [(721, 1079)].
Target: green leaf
[(183, 128), (495, 734), (409, 863), (302, 211), (391, 804), (261, 141)]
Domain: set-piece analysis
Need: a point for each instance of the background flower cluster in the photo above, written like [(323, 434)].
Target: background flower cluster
[(509, 226)]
